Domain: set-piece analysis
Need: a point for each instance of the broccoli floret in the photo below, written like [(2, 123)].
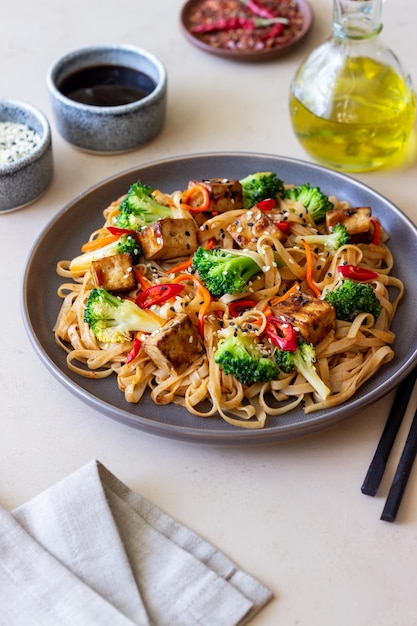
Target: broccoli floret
[(315, 202), (225, 271), (332, 241), (140, 208), (260, 186), (239, 354), (351, 298), (112, 319), (303, 360), (125, 243)]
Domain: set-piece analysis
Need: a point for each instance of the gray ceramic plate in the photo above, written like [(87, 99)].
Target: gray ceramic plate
[(62, 239)]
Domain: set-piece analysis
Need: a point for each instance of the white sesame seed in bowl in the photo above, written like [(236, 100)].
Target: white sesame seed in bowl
[(26, 164)]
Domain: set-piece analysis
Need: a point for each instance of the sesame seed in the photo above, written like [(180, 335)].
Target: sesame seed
[(16, 141)]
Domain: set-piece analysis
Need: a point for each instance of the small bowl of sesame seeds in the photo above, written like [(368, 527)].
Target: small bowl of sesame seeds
[(26, 164)]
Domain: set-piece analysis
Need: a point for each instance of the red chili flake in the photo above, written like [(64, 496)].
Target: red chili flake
[(234, 23), (241, 39)]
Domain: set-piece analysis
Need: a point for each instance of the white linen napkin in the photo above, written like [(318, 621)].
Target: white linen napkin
[(89, 551)]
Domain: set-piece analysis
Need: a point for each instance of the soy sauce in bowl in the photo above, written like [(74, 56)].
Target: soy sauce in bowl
[(108, 98), (107, 85)]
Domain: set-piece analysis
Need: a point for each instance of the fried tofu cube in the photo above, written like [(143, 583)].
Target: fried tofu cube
[(357, 221), (313, 317), (114, 273), (225, 194), (169, 238), (174, 346), (250, 225)]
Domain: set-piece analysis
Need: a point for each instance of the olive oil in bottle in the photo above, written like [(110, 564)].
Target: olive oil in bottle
[(352, 106)]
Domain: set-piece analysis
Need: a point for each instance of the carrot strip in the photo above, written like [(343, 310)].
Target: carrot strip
[(309, 270), (184, 265), (189, 194), (206, 295), (99, 242), (143, 282), (181, 267), (284, 296)]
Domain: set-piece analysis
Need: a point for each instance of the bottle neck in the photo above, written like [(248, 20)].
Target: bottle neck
[(357, 19)]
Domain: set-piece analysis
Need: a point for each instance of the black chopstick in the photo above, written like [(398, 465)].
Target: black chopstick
[(402, 473), (378, 464)]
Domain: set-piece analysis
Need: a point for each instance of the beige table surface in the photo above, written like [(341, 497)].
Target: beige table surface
[(292, 514)]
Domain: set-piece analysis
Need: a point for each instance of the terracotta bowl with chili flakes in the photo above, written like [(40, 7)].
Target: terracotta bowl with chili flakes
[(246, 30)]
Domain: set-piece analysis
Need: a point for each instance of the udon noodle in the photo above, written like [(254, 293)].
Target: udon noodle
[(348, 355)]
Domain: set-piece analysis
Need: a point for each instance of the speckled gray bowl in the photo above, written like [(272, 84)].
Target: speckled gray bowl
[(22, 181), (108, 129)]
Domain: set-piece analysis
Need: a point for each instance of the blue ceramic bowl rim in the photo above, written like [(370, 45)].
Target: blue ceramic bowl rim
[(72, 55), (7, 169)]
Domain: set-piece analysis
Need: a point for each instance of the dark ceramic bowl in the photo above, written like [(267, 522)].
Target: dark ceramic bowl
[(107, 126), (26, 176)]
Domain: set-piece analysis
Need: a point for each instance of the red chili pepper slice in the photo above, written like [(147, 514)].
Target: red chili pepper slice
[(281, 333), (157, 294), (354, 272), (283, 226), (134, 351), (267, 205), (121, 231), (377, 231), (237, 307)]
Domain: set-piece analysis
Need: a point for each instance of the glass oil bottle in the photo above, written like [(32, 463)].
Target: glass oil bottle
[(352, 105)]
